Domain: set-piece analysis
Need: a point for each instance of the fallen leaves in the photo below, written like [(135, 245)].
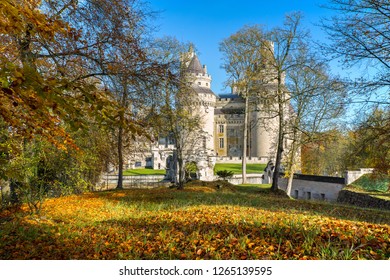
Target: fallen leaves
[(112, 226)]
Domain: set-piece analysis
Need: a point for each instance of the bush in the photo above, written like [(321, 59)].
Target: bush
[(225, 174)]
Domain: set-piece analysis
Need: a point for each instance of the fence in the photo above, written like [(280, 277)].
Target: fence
[(239, 159), (132, 182)]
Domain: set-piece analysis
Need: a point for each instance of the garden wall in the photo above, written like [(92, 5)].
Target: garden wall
[(250, 179), (313, 187), (362, 200)]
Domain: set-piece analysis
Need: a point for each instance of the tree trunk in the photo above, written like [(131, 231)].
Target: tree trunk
[(291, 163), (180, 168), (13, 186), (291, 170), (245, 140), (279, 151), (120, 156)]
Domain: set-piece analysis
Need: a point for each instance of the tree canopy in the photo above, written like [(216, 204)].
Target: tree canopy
[(360, 36), (54, 57)]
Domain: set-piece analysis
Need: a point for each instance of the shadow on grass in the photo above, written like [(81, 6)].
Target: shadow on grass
[(243, 196), (236, 228), (173, 237)]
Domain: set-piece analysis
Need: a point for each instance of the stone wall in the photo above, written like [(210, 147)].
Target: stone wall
[(239, 160), (250, 179), (362, 200), (314, 187), (353, 175)]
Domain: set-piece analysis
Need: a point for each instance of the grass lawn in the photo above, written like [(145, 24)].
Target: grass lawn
[(199, 222), (143, 171), (369, 182), (376, 187), (254, 168)]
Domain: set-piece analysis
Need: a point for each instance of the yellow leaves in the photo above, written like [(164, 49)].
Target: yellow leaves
[(271, 248), (17, 18), (98, 226)]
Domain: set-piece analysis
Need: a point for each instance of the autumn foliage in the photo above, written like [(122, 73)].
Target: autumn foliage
[(198, 222)]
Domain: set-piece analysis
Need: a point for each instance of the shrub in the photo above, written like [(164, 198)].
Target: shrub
[(225, 174)]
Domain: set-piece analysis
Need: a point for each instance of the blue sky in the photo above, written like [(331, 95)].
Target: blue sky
[(207, 23)]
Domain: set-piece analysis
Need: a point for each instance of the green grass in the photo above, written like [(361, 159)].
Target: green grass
[(143, 171), (369, 182), (199, 222), (253, 188), (251, 168), (373, 186)]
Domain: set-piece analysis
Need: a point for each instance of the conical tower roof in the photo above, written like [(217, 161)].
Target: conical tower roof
[(195, 66)]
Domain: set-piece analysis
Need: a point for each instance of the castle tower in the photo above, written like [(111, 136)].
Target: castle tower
[(262, 136), (205, 104)]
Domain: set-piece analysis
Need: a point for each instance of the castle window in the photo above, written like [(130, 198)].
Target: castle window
[(221, 143), (199, 83), (221, 128), (207, 84)]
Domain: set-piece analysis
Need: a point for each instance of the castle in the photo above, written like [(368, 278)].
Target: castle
[(223, 125)]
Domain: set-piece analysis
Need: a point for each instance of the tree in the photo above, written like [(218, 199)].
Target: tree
[(369, 143), (59, 61), (243, 55), (36, 169), (56, 54), (317, 99), (359, 35), (48, 59), (132, 87), (179, 119), (287, 40), (257, 63), (324, 152)]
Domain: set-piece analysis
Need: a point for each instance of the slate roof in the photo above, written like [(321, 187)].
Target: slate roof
[(228, 95), (195, 66), (199, 89)]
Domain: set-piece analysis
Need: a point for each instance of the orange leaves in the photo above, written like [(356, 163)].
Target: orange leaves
[(132, 225)]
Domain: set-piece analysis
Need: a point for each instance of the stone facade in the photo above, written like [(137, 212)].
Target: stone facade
[(229, 131), (223, 125), (314, 187)]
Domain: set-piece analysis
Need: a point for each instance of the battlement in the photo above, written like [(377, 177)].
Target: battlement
[(205, 75)]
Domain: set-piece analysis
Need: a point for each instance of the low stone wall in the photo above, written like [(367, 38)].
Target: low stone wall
[(313, 187), (250, 179), (239, 160), (362, 200)]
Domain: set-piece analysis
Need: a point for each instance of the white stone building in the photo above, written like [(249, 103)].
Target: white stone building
[(223, 124)]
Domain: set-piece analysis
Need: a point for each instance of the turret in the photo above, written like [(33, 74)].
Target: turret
[(205, 105)]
